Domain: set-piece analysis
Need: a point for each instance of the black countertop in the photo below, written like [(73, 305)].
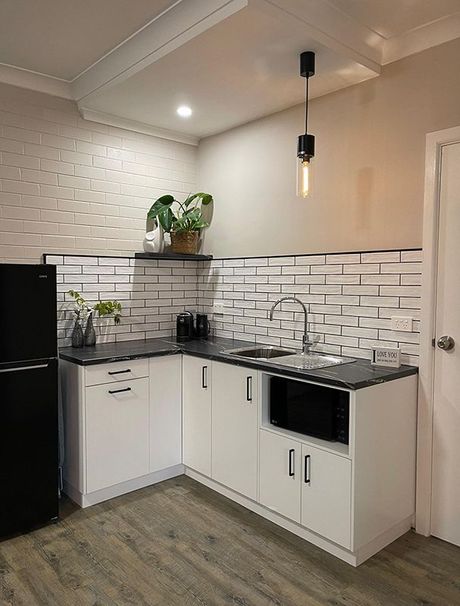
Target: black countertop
[(355, 375)]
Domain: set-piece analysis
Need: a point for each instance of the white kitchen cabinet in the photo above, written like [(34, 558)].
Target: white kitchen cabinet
[(117, 433), (165, 412), (280, 474), (235, 428), (196, 383), (326, 494)]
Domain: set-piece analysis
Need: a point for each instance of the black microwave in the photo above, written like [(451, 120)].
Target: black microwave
[(312, 410)]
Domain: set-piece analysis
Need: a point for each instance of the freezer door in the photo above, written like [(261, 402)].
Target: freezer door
[(28, 446), (28, 329)]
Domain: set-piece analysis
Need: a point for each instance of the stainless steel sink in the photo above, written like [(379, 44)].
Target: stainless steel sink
[(312, 361), (260, 353)]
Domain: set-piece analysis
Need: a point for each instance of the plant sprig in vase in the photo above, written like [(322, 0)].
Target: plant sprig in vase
[(84, 312), (185, 222)]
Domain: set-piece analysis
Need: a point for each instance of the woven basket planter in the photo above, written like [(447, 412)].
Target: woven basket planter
[(185, 242)]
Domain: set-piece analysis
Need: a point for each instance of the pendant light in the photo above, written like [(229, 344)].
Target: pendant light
[(306, 142)]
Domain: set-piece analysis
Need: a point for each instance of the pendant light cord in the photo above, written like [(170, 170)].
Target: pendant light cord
[(306, 104)]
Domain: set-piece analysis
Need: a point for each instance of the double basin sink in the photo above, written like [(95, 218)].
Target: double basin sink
[(288, 357)]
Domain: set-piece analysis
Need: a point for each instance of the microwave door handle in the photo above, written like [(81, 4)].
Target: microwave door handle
[(307, 469)]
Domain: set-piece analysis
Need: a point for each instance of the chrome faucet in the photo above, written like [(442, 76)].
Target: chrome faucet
[(306, 342)]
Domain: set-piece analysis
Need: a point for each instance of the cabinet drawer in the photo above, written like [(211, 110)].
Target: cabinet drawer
[(117, 433), (116, 371)]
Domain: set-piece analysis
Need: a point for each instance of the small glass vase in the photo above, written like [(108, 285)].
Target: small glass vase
[(77, 334), (90, 333)]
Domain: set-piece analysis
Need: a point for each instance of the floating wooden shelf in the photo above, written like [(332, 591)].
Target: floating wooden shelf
[(172, 256)]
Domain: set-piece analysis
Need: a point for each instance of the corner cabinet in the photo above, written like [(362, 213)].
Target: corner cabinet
[(122, 426)]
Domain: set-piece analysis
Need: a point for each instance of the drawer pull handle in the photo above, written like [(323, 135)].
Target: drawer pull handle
[(118, 372), (291, 463), (112, 391), (307, 469)]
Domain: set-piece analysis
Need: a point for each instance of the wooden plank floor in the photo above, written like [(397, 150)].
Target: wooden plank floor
[(179, 543)]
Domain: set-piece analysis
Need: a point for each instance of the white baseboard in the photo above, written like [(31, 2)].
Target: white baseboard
[(86, 500)]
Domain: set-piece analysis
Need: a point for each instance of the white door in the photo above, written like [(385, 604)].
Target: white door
[(279, 474), (165, 412), (326, 494), (196, 400), (117, 433), (445, 506), (234, 428)]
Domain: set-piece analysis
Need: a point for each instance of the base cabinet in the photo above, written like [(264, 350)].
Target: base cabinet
[(279, 474), (326, 494), (117, 433), (197, 414), (234, 428)]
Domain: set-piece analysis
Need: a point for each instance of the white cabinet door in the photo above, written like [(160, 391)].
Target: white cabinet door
[(326, 495), (165, 412), (279, 474), (234, 428), (117, 433), (197, 414)]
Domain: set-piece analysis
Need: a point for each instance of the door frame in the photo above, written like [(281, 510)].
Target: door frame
[(435, 141)]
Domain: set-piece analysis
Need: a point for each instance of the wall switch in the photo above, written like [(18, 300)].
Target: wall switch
[(401, 323), (218, 309)]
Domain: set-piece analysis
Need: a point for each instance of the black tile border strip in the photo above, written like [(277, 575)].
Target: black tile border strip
[(206, 258)]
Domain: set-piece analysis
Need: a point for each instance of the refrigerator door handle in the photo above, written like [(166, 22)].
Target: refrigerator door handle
[(20, 368)]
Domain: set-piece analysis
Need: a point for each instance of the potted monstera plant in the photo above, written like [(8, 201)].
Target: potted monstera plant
[(182, 220)]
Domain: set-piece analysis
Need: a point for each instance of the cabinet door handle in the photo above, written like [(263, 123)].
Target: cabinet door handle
[(307, 469), (291, 462), (249, 389), (112, 391), (118, 372), (204, 377)]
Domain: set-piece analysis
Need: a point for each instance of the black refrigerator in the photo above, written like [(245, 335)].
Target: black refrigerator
[(28, 397)]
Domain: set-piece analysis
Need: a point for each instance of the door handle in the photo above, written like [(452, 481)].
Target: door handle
[(204, 377), (112, 391), (446, 343), (249, 389), (21, 368), (118, 372), (291, 463), (307, 469)]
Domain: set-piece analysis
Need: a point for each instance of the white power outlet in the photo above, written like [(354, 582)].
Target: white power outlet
[(401, 323), (218, 309)]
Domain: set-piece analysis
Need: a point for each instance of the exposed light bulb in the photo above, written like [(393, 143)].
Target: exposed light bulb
[(184, 111), (303, 177)]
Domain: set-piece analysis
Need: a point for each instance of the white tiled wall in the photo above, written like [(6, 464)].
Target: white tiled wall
[(351, 298), (70, 185), (152, 293)]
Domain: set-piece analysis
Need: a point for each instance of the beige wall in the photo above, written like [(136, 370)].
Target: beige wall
[(68, 185), (368, 174)]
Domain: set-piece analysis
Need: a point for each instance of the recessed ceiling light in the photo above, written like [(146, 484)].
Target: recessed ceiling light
[(184, 111)]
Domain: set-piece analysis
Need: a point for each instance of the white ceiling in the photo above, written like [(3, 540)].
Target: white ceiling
[(61, 38), (245, 67), (396, 17), (132, 62)]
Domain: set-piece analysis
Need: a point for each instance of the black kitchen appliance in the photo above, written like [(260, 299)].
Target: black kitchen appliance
[(28, 397), (312, 410), (203, 326), (184, 326)]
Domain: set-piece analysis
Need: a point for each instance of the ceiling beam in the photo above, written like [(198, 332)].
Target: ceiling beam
[(182, 22), (331, 28)]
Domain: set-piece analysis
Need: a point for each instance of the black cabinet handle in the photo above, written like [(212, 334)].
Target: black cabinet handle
[(249, 389), (118, 372), (112, 391), (204, 377), (291, 462), (307, 469)]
